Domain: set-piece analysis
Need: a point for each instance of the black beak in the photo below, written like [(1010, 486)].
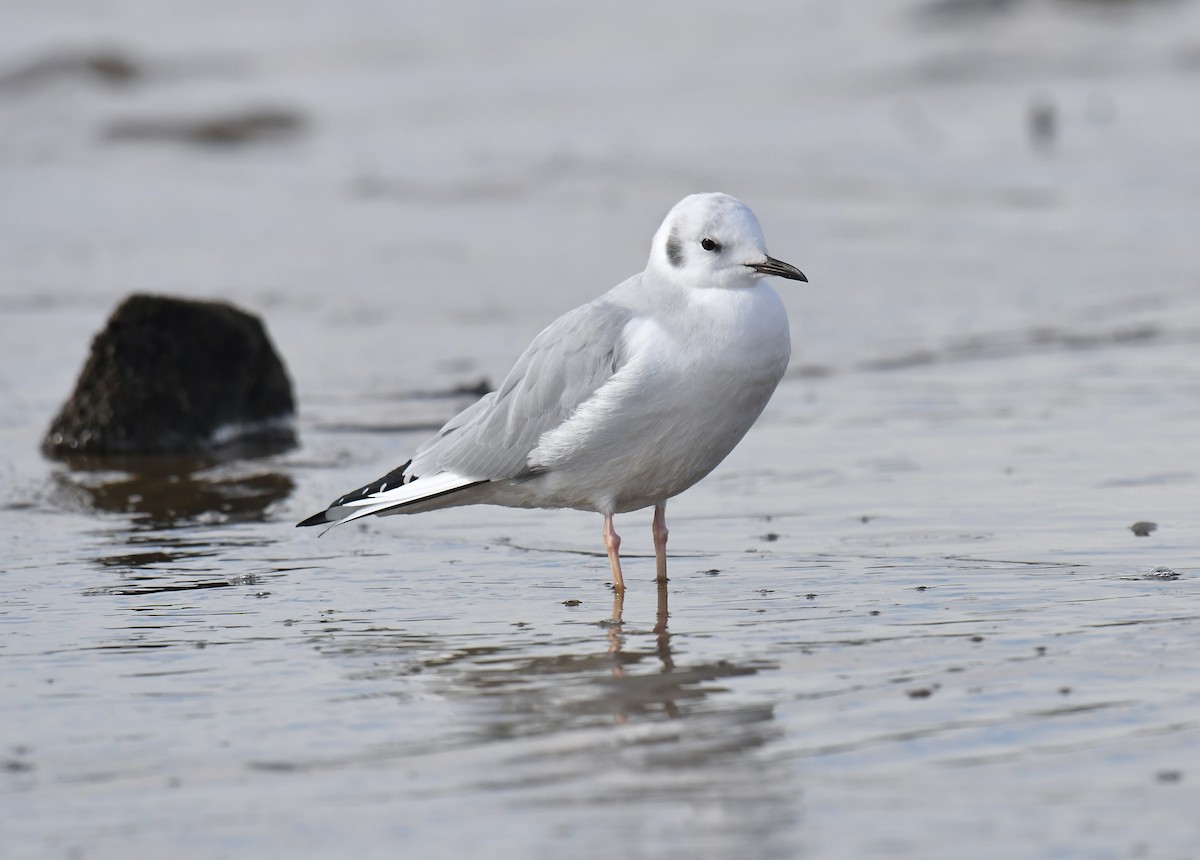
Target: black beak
[(771, 266)]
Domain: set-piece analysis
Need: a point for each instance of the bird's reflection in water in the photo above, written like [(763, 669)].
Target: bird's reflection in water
[(616, 642), (527, 684), (608, 714)]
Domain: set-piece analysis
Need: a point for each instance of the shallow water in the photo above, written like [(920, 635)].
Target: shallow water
[(907, 617)]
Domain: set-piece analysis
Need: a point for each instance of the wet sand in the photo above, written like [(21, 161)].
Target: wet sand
[(908, 617)]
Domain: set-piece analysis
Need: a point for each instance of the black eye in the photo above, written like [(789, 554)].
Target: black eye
[(710, 245)]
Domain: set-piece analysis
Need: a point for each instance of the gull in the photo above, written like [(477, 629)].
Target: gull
[(621, 403)]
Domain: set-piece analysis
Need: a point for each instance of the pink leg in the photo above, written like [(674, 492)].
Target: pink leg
[(612, 541), (659, 528)]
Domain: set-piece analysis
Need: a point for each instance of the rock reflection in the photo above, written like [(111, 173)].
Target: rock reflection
[(147, 562), (166, 492)]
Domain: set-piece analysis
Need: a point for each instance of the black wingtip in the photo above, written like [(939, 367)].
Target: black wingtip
[(314, 520)]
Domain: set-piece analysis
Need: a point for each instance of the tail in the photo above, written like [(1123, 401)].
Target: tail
[(376, 497)]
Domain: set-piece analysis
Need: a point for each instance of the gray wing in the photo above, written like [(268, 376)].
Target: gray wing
[(563, 367)]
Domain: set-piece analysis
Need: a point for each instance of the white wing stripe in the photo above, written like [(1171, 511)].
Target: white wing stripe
[(413, 491)]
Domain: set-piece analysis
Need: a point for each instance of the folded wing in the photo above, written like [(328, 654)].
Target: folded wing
[(491, 440)]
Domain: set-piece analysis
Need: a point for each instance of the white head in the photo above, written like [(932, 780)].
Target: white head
[(714, 240)]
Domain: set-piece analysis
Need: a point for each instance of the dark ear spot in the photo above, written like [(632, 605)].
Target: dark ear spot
[(675, 250)]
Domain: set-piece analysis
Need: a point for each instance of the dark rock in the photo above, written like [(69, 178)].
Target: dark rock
[(173, 376), (1143, 529), (106, 65), (243, 127)]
